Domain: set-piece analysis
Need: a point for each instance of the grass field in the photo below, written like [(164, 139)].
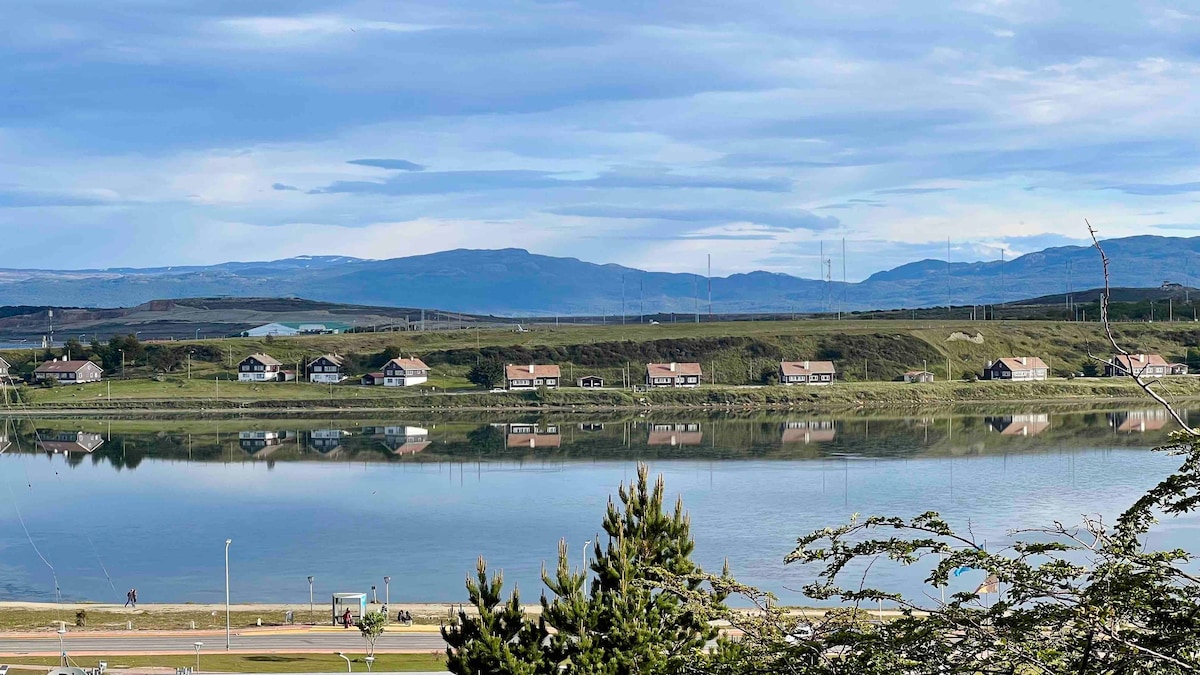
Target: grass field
[(869, 355), (247, 663)]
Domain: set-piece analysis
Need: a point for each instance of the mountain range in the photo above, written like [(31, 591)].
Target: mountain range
[(514, 282)]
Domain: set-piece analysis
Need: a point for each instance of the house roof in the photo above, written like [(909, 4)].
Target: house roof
[(675, 438), (531, 371), (408, 364), (1015, 363), (63, 366), (591, 377), (377, 376), (4, 363), (332, 358), (665, 370), (265, 359), (807, 367), (533, 440), (918, 372), (1139, 361)]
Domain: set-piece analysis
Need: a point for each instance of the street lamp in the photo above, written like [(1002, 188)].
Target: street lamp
[(227, 543), (310, 602), (348, 668), (197, 645), (387, 592), (122, 363), (62, 651), (586, 544)]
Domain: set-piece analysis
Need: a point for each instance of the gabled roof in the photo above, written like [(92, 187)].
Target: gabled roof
[(4, 364), (63, 366), (332, 358), (1139, 361), (407, 364), (918, 372), (531, 371), (1022, 363), (264, 359), (660, 370), (807, 367)]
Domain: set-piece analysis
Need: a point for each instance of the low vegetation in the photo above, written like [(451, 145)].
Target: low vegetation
[(221, 662)]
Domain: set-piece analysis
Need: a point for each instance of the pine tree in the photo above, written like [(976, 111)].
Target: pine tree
[(499, 641), (627, 623)]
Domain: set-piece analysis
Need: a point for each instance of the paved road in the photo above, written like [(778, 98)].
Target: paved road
[(78, 643)]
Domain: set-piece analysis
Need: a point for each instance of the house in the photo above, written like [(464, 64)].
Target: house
[(675, 435), (1142, 365), (4, 368), (673, 374), (1017, 368), (532, 376), (809, 431), (65, 442), (68, 372), (288, 329), (405, 372), (262, 443), (532, 436), (921, 376), (373, 379), (590, 382), (1139, 421), (1178, 369), (326, 369), (405, 440), (326, 440), (1019, 425), (260, 368), (807, 372)]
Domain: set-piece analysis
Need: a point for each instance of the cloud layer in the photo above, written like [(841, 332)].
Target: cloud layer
[(200, 132)]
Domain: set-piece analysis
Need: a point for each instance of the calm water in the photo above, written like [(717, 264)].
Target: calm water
[(111, 505)]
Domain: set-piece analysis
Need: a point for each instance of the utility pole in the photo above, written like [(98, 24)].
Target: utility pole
[(949, 304), (622, 299), (710, 286), (842, 304)]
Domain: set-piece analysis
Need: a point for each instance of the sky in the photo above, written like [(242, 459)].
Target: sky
[(651, 134)]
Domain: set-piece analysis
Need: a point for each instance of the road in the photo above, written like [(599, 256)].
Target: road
[(183, 643)]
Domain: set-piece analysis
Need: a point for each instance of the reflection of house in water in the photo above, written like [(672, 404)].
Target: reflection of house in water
[(591, 426), (401, 440), (325, 441), (1139, 421), (4, 444), (809, 431), (69, 441), (262, 443), (525, 435), (1019, 425), (675, 434)]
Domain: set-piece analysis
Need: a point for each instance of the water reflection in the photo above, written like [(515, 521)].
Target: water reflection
[(565, 437)]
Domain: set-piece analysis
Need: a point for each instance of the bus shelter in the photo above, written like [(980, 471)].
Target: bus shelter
[(355, 602)]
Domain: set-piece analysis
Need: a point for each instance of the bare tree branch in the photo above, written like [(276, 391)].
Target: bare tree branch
[(1132, 372)]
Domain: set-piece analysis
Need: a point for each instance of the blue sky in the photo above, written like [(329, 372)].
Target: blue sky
[(649, 134)]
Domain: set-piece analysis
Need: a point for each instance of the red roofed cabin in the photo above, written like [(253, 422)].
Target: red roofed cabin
[(673, 375), (1142, 365), (1017, 369), (68, 372), (405, 372), (807, 372), (532, 376)]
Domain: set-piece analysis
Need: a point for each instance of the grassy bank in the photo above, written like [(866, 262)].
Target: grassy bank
[(199, 396), (246, 663)]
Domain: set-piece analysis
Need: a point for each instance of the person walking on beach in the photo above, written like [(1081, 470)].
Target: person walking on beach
[(129, 599), (134, 591)]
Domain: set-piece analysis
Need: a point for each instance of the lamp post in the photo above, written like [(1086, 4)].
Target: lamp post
[(348, 668), (586, 544), (197, 645), (310, 602), (387, 594), (122, 363), (227, 543), (62, 650)]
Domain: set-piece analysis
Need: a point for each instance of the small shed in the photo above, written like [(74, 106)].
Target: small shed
[(921, 376), (355, 602), (590, 382)]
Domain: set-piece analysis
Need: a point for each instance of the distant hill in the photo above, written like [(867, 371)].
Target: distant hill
[(516, 282)]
